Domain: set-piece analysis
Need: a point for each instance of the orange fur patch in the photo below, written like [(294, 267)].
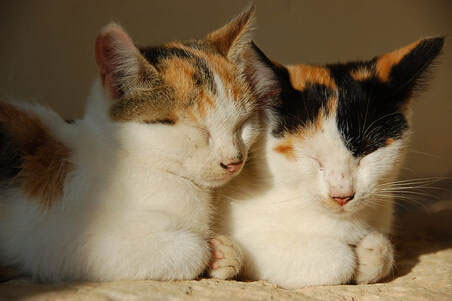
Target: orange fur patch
[(301, 74), (205, 103), (387, 61), (332, 104), (179, 74), (286, 149), (228, 73), (45, 160), (361, 74), (229, 39), (389, 141)]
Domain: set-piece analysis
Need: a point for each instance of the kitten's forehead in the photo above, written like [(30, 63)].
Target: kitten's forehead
[(313, 95), (193, 81), (355, 95)]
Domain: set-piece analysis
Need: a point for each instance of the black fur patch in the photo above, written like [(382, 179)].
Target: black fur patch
[(369, 111), (202, 76), (299, 109), (10, 157), (162, 121), (413, 71), (295, 109)]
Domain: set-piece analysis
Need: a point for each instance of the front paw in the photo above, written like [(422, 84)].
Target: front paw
[(226, 258), (375, 258)]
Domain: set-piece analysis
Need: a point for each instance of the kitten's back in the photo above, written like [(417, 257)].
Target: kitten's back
[(31, 157)]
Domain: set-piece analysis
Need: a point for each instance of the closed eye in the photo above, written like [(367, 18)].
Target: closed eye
[(204, 131), (160, 121), (316, 160)]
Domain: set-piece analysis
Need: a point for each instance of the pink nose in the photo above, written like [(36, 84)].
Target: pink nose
[(342, 200), (233, 166)]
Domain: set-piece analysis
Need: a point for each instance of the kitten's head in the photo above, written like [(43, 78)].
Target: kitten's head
[(187, 106), (339, 130)]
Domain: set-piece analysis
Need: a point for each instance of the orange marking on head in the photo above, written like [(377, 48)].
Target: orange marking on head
[(178, 73), (332, 104), (387, 61), (229, 75), (205, 103), (45, 160), (361, 74), (301, 74), (389, 141), (286, 148)]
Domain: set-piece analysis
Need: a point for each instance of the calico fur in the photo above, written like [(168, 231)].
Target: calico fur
[(314, 205), (125, 192)]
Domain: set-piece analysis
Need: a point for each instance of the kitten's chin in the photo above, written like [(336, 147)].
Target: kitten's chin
[(214, 183), (348, 209)]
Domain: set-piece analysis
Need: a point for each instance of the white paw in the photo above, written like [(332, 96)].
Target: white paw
[(226, 258), (375, 258)]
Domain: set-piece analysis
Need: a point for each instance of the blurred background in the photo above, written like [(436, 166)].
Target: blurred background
[(47, 49)]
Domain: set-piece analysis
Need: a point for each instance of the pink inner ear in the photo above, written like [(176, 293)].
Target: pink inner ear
[(113, 46)]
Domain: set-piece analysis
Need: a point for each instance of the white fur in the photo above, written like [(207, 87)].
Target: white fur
[(291, 232), (137, 204)]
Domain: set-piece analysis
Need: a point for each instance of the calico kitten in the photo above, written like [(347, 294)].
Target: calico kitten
[(124, 193), (313, 205)]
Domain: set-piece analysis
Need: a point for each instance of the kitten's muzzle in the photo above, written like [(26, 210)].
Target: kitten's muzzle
[(342, 200), (232, 167)]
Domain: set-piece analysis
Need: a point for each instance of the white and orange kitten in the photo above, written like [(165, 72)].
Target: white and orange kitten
[(125, 192), (313, 205)]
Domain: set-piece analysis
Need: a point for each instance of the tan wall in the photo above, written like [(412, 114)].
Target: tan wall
[(46, 47)]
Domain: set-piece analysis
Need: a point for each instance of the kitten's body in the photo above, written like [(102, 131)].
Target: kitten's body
[(314, 203), (125, 193), (284, 238), (120, 216)]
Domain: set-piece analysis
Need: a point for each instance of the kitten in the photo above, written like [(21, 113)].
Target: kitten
[(313, 205), (125, 193)]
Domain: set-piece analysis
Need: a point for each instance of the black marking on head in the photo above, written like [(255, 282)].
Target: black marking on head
[(411, 74), (370, 110), (203, 75), (155, 55), (300, 109), (297, 109), (367, 111)]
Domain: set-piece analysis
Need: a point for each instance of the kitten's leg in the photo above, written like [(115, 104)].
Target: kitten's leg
[(175, 255), (226, 258), (375, 258), (297, 261)]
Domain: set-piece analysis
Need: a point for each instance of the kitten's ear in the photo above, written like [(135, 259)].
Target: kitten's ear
[(231, 39), (121, 66), (405, 69), (265, 77)]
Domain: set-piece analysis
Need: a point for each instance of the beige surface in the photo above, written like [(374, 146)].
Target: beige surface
[(46, 55), (46, 48), (424, 272)]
